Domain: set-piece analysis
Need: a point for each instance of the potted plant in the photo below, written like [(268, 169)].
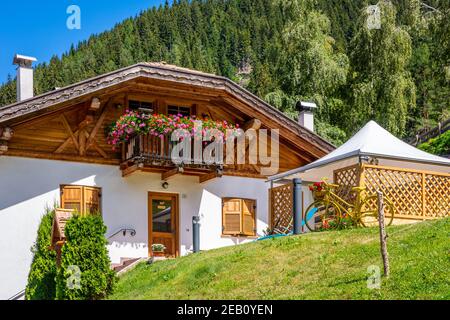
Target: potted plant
[(317, 189), (158, 249)]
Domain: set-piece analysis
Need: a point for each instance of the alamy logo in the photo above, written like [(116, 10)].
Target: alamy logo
[(73, 282), (374, 279), (190, 149), (373, 17), (74, 20)]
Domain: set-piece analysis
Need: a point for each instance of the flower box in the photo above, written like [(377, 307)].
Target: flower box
[(134, 123), (159, 254)]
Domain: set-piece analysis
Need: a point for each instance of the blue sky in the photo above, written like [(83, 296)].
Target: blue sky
[(38, 28)]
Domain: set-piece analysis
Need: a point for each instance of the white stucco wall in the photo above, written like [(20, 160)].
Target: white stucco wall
[(28, 185)]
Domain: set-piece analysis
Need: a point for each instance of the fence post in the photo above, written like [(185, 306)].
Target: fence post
[(423, 196), (383, 236), (196, 233), (297, 205)]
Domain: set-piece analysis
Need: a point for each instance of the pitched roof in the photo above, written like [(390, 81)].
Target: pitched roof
[(372, 140), (157, 71)]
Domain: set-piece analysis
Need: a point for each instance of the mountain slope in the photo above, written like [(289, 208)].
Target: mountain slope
[(331, 265), (246, 40)]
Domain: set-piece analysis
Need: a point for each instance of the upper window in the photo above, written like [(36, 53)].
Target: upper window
[(239, 217), (140, 105), (83, 199), (176, 110)]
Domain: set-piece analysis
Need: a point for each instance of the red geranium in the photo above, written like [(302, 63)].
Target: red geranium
[(316, 186)]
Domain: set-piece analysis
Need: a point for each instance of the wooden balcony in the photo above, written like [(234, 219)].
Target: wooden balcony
[(154, 154)]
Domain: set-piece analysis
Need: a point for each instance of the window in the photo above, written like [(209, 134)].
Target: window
[(162, 215), (83, 199), (176, 110), (140, 105), (238, 217)]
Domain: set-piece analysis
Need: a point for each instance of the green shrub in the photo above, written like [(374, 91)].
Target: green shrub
[(439, 145), (41, 279), (85, 248)]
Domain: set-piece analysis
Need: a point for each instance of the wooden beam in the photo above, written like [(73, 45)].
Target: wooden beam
[(208, 176), (168, 174), (68, 140), (38, 138), (3, 146), (82, 142), (67, 105), (97, 126), (130, 170), (6, 133), (254, 124), (69, 130), (66, 157), (97, 147), (225, 111), (95, 104)]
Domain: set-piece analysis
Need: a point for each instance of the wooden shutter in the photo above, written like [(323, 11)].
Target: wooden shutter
[(231, 216), (248, 217), (92, 200), (238, 217), (84, 200), (72, 198)]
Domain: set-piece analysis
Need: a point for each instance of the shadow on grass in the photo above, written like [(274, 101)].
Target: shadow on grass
[(348, 281)]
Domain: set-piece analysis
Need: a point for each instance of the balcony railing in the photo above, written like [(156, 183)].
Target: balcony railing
[(155, 151)]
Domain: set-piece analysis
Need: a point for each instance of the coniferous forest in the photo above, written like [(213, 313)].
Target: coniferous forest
[(288, 50)]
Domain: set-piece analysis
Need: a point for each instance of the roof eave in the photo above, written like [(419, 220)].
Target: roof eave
[(164, 72)]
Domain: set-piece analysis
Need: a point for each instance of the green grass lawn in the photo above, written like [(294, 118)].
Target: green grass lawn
[(328, 265)]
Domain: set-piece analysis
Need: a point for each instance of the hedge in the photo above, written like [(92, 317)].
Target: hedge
[(41, 279), (85, 250)]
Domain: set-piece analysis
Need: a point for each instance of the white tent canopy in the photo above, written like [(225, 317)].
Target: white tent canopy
[(373, 141)]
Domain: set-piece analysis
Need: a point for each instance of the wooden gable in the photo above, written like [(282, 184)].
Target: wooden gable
[(71, 123)]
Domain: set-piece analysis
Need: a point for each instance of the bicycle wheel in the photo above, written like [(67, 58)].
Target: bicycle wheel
[(369, 212), (319, 213)]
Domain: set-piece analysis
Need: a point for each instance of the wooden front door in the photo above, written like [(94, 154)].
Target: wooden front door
[(163, 222)]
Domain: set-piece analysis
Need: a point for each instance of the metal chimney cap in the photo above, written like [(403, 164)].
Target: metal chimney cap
[(23, 61), (306, 106)]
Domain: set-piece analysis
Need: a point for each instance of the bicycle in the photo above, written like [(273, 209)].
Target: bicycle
[(330, 208)]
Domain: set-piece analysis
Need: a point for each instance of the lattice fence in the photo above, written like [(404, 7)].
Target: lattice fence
[(347, 178), (281, 206), (437, 195), (415, 194)]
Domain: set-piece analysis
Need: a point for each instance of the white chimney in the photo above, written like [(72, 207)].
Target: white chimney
[(24, 76), (306, 114)]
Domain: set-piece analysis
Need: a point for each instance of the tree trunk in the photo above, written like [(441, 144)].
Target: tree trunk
[(383, 236)]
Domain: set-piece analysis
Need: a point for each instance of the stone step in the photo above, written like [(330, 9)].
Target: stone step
[(124, 262)]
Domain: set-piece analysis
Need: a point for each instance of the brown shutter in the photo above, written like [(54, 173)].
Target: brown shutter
[(231, 216), (84, 200), (238, 217), (92, 200), (248, 217), (72, 198)]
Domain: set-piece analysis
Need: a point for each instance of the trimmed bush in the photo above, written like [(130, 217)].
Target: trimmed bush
[(84, 251), (41, 279)]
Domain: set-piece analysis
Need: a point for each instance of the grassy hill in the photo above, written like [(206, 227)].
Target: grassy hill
[(329, 265)]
